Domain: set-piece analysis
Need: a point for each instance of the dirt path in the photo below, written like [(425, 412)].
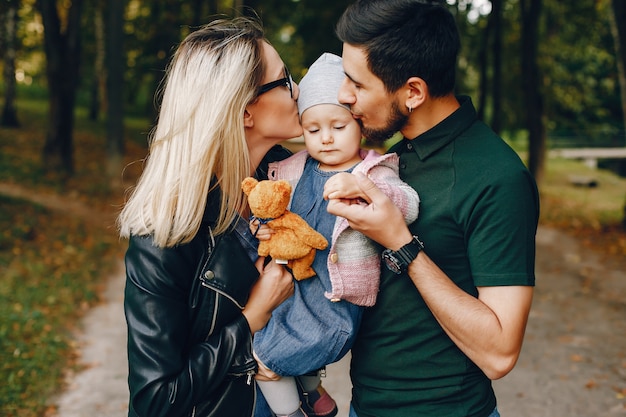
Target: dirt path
[(52, 201), (101, 389), (573, 362)]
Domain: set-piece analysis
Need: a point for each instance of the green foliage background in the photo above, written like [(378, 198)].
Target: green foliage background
[(577, 55)]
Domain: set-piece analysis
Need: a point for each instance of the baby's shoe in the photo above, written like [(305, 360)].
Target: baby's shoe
[(318, 403)]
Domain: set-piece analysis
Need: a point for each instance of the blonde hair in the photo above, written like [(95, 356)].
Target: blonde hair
[(199, 141)]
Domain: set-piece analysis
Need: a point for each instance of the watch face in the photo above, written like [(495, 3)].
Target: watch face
[(392, 263), (400, 260)]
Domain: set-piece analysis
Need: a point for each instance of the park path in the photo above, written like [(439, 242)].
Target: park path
[(573, 362), (100, 390)]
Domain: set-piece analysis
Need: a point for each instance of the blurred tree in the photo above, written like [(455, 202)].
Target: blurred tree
[(490, 63), (98, 72), (201, 10), (301, 30), (532, 87), (495, 20), (577, 59), (157, 27), (577, 78), (62, 47), (618, 29), (483, 68), (9, 19), (115, 67)]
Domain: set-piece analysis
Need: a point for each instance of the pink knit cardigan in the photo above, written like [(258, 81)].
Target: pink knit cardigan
[(353, 259)]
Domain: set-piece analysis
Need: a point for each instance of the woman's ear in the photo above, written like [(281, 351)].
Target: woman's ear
[(248, 121), (417, 92)]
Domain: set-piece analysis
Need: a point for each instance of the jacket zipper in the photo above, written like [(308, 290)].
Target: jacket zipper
[(249, 376), (204, 282), (250, 373), (254, 400)]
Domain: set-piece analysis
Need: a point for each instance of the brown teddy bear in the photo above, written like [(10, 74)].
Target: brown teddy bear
[(293, 241)]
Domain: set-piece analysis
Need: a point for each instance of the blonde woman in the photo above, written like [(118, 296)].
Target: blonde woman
[(194, 294)]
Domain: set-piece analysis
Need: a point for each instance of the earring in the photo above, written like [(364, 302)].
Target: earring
[(410, 108)]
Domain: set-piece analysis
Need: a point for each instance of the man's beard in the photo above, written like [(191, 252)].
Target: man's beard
[(395, 123)]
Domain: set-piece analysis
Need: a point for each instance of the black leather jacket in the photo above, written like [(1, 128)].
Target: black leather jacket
[(189, 346)]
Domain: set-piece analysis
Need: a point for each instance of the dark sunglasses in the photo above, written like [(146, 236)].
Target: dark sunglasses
[(283, 82)]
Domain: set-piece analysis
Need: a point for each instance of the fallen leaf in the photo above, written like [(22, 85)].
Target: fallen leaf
[(576, 358)]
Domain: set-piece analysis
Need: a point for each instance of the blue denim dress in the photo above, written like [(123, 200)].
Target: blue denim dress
[(308, 331)]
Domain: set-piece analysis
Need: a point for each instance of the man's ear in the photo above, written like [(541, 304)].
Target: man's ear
[(248, 120), (417, 92)]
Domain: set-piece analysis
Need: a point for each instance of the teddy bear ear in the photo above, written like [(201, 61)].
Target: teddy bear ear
[(248, 185), (283, 186)]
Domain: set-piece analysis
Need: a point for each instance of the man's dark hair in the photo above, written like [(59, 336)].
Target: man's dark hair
[(403, 39)]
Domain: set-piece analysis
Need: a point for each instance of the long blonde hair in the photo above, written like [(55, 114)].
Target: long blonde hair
[(200, 135)]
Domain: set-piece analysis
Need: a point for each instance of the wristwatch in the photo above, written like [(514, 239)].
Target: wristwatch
[(398, 261)]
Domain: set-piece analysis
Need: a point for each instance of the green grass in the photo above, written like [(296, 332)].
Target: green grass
[(52, 263), (594, 215), (571, 206), (51, 270)]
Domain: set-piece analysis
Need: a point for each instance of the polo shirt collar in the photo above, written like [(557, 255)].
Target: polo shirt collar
[(445, 132)]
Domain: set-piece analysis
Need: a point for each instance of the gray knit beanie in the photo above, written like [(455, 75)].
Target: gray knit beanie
[(321, 83)]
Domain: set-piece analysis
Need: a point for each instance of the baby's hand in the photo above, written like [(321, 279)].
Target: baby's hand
[(342, 186), (260, 230)]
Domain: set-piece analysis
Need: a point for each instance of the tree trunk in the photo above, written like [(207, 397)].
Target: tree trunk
[(115, 66), (496, 89), (166, 15), (483, 65), (9, 112), (618, 29), (531, 82), (98, 95), (203, 11), (63, 58)]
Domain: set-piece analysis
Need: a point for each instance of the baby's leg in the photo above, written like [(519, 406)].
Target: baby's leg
[(310, 382), (282, 396), (315, 400)]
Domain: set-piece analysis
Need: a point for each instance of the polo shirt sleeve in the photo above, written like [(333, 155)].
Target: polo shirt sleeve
[(501, 229)]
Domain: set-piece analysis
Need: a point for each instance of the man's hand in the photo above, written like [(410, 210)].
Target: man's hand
[(379, 220)]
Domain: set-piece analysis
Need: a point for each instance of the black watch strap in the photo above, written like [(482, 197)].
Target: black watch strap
[(399, 261), (410, 251)]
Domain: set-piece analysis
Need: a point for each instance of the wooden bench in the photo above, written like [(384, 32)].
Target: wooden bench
[(589, 155)]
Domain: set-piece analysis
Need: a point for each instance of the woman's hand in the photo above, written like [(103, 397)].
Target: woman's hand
[(275, 285), (260, 231)]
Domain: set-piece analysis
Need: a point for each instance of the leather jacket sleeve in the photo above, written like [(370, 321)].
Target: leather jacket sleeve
[(172, 367)]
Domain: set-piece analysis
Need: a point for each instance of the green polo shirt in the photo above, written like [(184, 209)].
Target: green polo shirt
[(478, 218)]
